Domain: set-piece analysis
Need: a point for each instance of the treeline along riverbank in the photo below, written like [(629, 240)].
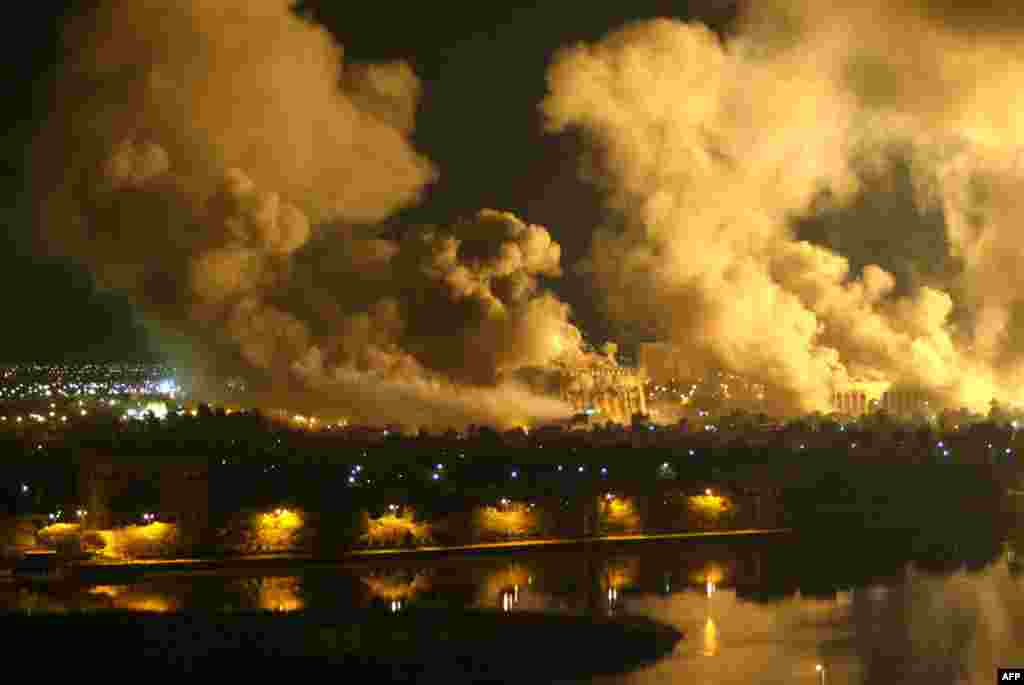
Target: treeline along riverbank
[(217, 506)]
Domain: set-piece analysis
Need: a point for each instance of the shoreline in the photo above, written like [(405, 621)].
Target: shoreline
[(101, 569)]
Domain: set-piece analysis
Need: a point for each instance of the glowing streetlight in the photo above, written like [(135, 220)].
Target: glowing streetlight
[(820, 669), (707, 492)]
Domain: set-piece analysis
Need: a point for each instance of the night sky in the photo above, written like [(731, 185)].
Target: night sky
[(482, 66)]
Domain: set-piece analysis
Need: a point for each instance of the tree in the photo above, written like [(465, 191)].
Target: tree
[(919, 419), (925, 435), (880, 420), (798, 425), (815, 419), (996, 413), (488, 436), (741, 420), (829, 425), (947, 419)]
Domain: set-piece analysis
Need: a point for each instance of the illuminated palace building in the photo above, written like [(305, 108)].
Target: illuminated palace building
[(611, 393), (851, 402), (857, 398), (602, 390), (906, 402)]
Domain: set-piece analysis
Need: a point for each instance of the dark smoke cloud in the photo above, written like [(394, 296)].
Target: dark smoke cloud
[(862, 229), (215, 161)]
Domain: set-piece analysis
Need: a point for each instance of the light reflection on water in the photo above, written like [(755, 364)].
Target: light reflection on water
[(748, 613)]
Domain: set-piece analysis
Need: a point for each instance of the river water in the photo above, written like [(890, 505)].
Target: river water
[(778, 610)]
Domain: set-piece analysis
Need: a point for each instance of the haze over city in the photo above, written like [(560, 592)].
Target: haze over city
[(396, 228)]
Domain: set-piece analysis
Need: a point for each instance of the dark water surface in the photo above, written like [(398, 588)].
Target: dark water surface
[(871, 609)]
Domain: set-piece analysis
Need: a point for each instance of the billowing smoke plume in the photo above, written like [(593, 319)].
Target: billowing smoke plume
[(216, 161), (712, 150)]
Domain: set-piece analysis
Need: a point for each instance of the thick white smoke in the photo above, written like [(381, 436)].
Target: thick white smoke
[(215, 162), (712, 148)]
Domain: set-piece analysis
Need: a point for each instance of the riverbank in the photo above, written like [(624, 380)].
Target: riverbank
[(105, 571)]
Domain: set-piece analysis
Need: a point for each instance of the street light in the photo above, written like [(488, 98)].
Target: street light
[(821, 672)]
